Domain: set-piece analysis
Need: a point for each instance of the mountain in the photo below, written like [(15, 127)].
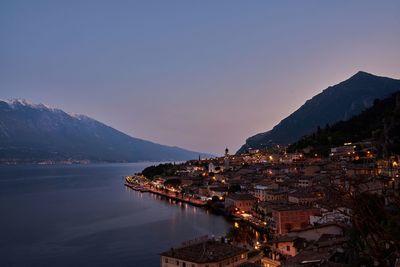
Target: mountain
[(336, 103), (35, 133), (379, 124)]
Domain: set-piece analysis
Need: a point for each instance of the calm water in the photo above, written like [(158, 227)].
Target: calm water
[(82, 215)]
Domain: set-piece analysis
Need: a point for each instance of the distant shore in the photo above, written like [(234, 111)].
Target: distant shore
[(77, 162)]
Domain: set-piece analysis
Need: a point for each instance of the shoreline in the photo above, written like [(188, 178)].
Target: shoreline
[(230, 218), (144, 189)]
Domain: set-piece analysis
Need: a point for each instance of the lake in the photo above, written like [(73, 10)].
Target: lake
[(83, 215)]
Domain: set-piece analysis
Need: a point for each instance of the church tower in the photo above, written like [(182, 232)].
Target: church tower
[(226, 159)]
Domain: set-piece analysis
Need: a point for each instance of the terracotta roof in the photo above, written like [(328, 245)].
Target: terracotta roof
[(241, 197), (208, 251)]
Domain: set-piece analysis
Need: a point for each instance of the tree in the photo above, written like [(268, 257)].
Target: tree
[(174, 183), (234, 188), (374, 228)]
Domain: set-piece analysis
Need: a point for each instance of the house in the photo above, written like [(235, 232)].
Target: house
[(207, 253), (275, 195), (304, 182), (240, 202), (342, 152), (259, 191), (281, 248), (304, 197), (291, 217), (327, 251), (266, 193), (288, 246), (218, 191), (339, 215), (311, 170)]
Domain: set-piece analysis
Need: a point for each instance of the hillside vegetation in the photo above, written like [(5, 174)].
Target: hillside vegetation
[(380, 124)]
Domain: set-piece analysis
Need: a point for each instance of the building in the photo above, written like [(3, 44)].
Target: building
[(288, 246), (305, 182), (313, 233), (304, 197), (241, 202), (206, 253), (339, 215), (327, 251), (269, 193), (289, 218), (311, 170), (226, 159), (345, 152), (259, 191), (218, 191), (281, 248), (211, 167)]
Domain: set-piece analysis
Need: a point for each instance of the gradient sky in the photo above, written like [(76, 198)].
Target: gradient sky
[(197, 74)]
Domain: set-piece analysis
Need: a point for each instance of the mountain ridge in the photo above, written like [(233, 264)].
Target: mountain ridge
[(335, 103), (35, 132), (378, 124)]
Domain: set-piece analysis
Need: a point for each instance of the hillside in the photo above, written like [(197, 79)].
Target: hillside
[(380, 124), (34, 133), (336, 103)]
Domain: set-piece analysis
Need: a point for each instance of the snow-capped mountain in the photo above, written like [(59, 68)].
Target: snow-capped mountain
[(35, 132)]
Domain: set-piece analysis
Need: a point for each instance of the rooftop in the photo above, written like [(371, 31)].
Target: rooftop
[(219, 189), (284, 238), (319, 226), (293, 207), (207, 251), (241, 197)]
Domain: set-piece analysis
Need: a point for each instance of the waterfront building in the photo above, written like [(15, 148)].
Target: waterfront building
[(240, 201), (218, 191)]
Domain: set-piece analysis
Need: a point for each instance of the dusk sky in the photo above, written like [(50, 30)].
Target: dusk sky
[(201, 75)]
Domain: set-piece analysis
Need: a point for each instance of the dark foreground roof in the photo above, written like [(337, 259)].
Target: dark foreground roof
[(208, 251)]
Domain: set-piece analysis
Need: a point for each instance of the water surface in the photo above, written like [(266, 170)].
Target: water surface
[(82, 215)]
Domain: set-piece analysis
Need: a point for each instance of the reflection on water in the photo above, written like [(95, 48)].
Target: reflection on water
[(82, 215)]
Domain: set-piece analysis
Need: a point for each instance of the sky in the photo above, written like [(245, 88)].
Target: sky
[(202, 75)]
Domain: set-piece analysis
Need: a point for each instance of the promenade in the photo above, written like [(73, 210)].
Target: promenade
[(174, 195)]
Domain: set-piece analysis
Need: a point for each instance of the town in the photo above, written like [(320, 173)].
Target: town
[(287, 209)]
